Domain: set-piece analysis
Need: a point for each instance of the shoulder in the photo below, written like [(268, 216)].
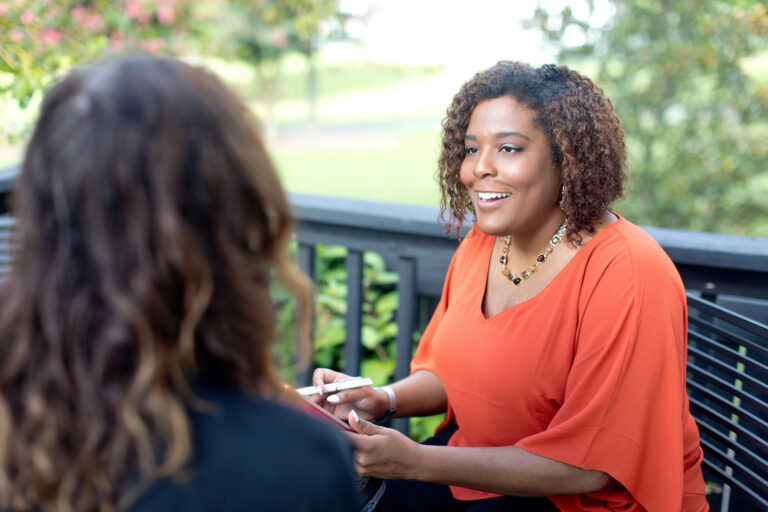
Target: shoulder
[(628, 249), (258, 426), (623, 263), (254, 453)]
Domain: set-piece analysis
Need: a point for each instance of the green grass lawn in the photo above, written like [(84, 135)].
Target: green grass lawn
[(394, 167)]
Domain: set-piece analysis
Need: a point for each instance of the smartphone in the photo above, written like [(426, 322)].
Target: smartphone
[(318, 411)]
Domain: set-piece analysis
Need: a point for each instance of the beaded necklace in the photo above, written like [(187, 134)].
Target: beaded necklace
[(541, 258)]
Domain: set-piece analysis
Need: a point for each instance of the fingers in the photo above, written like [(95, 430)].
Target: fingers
[(323, 376), (362, 426), (348, 396)]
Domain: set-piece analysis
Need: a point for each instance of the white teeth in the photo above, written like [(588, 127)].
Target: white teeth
[(487, 196)]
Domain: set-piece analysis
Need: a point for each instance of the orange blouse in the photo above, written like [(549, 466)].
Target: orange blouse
[(589, 372)]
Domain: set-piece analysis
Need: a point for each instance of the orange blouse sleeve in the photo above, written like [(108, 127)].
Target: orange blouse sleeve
[(624, 404), (423, 359)]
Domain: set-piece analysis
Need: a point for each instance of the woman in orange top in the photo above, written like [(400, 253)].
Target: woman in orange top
[(558, 348)]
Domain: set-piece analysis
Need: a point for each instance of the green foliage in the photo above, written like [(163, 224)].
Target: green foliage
[(693, 118), (42, 38), (379, 328)]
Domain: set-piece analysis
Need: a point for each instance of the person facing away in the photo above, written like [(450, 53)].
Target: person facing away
[(558, 348), (136, 322)]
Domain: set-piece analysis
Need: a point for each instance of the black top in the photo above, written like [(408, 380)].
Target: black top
[(257, 455)]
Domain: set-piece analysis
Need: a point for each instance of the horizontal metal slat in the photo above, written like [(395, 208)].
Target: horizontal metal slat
[(728, 479), (742, 454), (708, 328), (709, 343), (727, 315), (728, 338), (745, 396), (744, 416), (702, 411), (730, 370)]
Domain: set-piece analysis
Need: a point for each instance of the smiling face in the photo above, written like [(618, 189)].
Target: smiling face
[(508, 170)]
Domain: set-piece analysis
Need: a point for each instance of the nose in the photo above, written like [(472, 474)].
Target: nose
[(484, 165)]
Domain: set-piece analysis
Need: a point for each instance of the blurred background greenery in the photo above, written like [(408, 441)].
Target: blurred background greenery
[(350, 94)]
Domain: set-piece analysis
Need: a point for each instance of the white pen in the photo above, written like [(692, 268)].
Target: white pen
[(339, 385)]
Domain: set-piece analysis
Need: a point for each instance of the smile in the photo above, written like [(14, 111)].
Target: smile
[(489, 196)]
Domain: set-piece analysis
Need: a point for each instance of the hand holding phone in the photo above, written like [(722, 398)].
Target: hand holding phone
[(321, 413)]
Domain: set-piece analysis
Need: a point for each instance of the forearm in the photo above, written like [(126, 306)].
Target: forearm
[(420, 394), (504, 470)]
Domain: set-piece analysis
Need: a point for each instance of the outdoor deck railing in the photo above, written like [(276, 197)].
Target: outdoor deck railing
[(726, 278)]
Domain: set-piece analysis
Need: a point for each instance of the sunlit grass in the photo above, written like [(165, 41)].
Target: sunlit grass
[(395, 167)]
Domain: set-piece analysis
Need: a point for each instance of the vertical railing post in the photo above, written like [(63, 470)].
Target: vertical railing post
[(406, 325), (306, 260), (353, 344)]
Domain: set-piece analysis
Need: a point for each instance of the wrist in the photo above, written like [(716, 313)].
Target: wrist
[(389, 404)]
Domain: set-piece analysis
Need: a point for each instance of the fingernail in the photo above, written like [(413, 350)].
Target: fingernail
[(354, 415), (334, 399)]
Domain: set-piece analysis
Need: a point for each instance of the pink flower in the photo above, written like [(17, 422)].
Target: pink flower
[(132, 10), (17, 36), (51, 36), (50, 13), (115, 40), (77, 13), (93, 23), (279, 38), (153, 45), (165, 14), (3, 8), (27, 17)]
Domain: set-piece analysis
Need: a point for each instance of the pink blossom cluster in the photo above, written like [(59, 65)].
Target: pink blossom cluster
[(40, 25), (143, 10)]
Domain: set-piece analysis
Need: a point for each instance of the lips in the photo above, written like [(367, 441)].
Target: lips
[(488, 199)]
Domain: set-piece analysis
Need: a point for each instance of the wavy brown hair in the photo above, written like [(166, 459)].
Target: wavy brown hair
[(150, 222), (586, 141)]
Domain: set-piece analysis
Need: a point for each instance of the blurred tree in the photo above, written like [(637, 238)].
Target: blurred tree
[(40, 38), (695, 122), (263, 32)]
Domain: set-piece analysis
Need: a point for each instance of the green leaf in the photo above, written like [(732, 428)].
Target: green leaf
[(383, 278), (377, 370), (386, 303), (389, 330), (374, 261), (330, 251), (370, 337), (330, 338), (5, 67)]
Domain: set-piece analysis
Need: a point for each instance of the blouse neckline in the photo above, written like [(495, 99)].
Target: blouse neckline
[(552, 284)]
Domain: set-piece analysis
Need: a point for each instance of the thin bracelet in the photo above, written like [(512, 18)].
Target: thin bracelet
[(392, 404)]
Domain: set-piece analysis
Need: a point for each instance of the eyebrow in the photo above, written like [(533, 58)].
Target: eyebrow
[(501, 135)]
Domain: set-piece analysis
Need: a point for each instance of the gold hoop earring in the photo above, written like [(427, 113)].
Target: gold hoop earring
[(562, 199)]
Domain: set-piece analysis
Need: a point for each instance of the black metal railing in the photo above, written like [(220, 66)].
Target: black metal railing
[(728, 352)]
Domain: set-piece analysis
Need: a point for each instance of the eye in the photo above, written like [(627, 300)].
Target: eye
[(470, 150), (509, 148)]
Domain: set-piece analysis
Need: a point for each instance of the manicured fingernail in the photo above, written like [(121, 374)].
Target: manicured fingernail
[(334, 399), (354, 415)]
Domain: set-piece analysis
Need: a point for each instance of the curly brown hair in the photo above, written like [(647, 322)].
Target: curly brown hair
[(150, 222), (586, 141)]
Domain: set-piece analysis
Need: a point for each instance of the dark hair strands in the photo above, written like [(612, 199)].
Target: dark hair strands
[(150, 222), (584, 133)]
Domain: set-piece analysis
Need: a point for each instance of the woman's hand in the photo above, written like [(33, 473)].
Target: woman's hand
[(368, 402), (383, 452)]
